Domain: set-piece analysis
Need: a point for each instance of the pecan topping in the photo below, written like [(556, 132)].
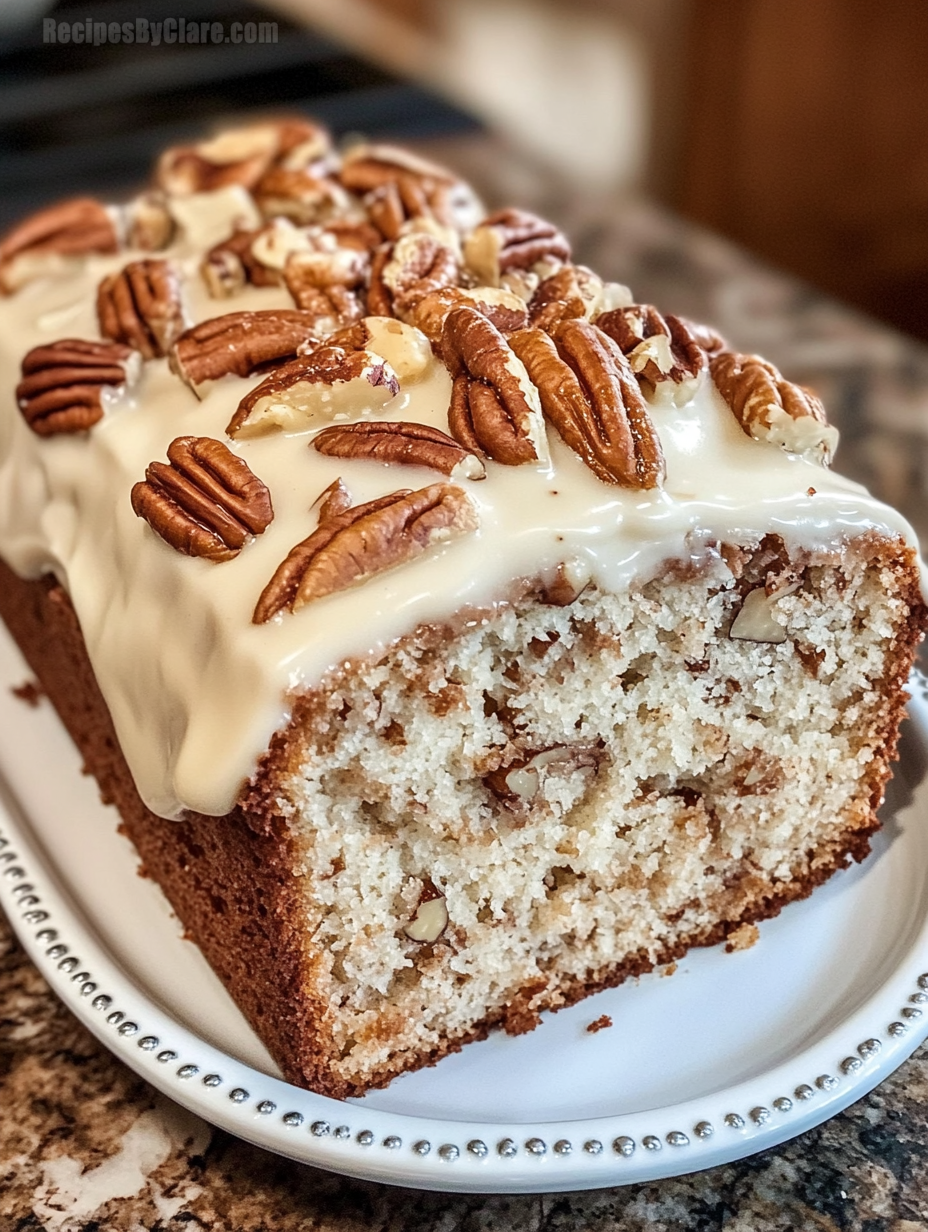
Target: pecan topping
[(590, 395), (398, 186), (558, 298), (708, 338), (405, 348), (43, 240), (414, 267), (231, 263), (207, 502), (322, 283), (770, 408), (513, 239), (300, 195), (332, 500), (352, 546), (240, 156), (326, 383), (398, 201), (506, 311), (494, 406), (658, 348), (141, 307), (239, 342), (149, 224), (63, 383), (414, 444)]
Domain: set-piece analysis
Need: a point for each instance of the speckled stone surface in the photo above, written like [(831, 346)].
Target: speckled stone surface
[(85, 1146)]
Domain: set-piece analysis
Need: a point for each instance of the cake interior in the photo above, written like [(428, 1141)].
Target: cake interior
[(698, 781)]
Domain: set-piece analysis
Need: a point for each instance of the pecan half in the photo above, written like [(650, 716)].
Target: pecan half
[(398, 186), (590, 395), (558, 298), (240, 155), (322, 282), (658, 349), (416, 265), (239, 343), (708, 338), (326, 383), (352, 546), (41, 242), (494, 406), (63, 383), (506, 311), (513, 239), (398, 201), (207, 502), (770, 408), (141, 307), (412, 444), (299, 195)]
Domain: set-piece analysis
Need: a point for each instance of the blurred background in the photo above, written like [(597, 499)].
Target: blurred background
[(798, 129)]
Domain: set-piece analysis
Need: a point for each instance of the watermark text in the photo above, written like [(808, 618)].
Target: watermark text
[(154, 33)]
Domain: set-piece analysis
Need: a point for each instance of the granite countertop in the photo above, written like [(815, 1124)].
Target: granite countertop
[(85, 1145)]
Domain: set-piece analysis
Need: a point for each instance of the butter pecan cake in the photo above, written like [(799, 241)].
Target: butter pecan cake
[(455, 635)]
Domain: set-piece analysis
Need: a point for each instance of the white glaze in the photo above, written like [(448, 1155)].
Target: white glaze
[(195, 689)]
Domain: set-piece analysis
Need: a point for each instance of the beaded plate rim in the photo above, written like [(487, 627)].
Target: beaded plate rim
[(455, 1155)]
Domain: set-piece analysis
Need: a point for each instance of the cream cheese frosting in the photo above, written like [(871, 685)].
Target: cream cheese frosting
[(195, 689)]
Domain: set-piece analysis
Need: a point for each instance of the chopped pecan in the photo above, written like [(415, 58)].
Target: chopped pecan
[(514, 239), (327, 382), (149, 224), (416, 265), (413, 444), (239, 343), (63, 383), (365, 167), (590, 395), (658, 349), (519, 784), (332, 500), (299, 195), (405, 348), (240, 156), (141, 307), (352, 546), (207, 502), (41, 242), (770, 408), (494, 406), (506, 311), (231, 263), (430, 918)]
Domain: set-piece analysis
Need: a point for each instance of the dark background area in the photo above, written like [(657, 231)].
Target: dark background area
[(76, 118)]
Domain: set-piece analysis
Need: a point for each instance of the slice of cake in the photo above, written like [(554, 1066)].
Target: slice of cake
[(455, 636)]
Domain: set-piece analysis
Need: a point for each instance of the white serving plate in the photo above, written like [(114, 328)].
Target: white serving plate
[(733, 1054)]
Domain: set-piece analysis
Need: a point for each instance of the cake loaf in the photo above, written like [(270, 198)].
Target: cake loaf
[(455, 635)]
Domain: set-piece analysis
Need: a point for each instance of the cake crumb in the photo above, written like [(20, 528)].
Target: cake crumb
[(742, 938), (669, 969), (30, 692), (600, 1024)]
